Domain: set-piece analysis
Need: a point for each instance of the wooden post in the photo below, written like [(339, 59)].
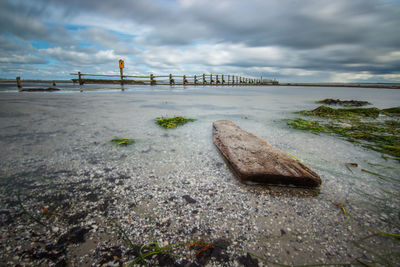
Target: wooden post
[(171, 81), (217, 81), (184, 79), (229, 76), (121, 72), (204, 79), (195, 79), (80, 78), (211, 80), (222, 79), (19, 84), (152, 81)]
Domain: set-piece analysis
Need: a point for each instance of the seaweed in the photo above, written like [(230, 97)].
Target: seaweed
[(347, 103), (392, 111), (123, 141), (324, 111), (173, 122), (360, 126)]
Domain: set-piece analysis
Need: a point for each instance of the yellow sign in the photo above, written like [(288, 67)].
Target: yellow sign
[(121, 64)]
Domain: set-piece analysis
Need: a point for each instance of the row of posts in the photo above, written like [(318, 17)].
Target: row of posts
[(219, 80)]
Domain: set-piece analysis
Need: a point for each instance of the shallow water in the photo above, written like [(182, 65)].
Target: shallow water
[(45, 134)]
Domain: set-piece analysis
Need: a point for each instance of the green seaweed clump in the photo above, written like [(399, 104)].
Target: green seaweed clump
[(379, 134), (346, 103), (312, 126), (123, 141), (173, 121), (324, 111), (392, 111)]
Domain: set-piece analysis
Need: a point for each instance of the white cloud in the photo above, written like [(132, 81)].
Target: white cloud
[(75, 57)]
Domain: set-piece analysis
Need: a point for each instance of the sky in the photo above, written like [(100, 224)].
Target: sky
[(287, 40)]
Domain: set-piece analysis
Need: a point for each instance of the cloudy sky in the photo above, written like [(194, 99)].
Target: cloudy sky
[(290, 40)]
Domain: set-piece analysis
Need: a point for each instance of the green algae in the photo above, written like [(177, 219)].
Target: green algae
[(347, 103), (360, 126), (123, 141), (325, 111), (392, 111), (173, 122)]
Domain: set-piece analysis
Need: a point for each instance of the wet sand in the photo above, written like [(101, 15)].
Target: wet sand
[(173, 186)]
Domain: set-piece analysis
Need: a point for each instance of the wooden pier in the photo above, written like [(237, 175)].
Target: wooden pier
[(151, 79)]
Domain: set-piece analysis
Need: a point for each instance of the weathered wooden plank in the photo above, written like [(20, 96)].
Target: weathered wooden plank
[(255, 160)]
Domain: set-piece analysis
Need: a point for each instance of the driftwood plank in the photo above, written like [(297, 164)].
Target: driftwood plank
[(255, 160)]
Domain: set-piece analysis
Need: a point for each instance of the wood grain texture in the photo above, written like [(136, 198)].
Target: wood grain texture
[(253, 159)]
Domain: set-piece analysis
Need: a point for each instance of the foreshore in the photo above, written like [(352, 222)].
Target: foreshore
[(71, 197)]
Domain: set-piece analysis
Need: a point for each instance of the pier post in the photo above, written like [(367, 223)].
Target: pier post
[(171, 81), (184, 80), (195, 79), (217, 80), (211, 80), (222, 79), (80, 78), (152, 81), (229, 77), (19, 84), (121, 72), (204, 79)]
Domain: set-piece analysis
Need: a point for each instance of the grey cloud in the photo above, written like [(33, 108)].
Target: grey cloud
[(14, 20), (11, 53), (314, 36)]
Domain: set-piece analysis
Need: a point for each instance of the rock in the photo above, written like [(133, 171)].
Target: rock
[(75, 235), (189, 199), (255, 160), (248, 261), (347, 103), (49, 89)]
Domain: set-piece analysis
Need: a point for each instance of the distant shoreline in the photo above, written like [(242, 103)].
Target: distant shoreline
[(360, 85)]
